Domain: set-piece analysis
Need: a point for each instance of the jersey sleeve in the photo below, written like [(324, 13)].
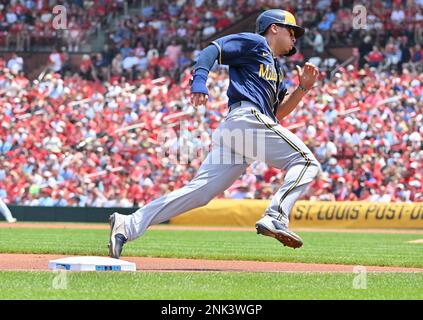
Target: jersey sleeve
[(236, 49), (283, 90)]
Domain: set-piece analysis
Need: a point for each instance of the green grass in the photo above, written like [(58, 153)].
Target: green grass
[(207, 286), (339, 248), (345, 248)]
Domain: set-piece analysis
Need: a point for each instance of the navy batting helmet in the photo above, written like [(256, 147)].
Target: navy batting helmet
[(280, 17)]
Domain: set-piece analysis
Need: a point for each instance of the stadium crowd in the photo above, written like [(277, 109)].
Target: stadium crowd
[(30, 24), (66, 140), (184, 25), (115, 130), (165, 38)]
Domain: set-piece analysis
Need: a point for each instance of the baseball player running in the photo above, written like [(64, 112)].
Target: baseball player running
[(258, 99)]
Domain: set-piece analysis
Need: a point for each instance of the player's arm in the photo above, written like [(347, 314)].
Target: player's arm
[(231, 50), (307, 78), (202, 68), (290, 103)]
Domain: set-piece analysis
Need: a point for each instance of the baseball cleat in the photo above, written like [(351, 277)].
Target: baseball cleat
[(117, 235), (270, 227), (13, 220)]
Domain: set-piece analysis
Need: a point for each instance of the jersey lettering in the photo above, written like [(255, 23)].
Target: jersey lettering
[(268, 73)]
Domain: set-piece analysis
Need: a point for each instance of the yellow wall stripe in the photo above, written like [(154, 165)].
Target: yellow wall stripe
[(309, 214)]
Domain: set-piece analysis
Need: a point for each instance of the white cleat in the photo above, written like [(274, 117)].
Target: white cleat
[(13, 220), (271, 227), (118, 235)]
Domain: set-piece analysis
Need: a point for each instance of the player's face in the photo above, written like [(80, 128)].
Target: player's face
[(286, 39)]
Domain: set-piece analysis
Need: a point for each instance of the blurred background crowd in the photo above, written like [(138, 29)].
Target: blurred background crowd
[(108, 131)]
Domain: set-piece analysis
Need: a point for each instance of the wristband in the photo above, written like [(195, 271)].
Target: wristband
[(198, 84), (302, 88)]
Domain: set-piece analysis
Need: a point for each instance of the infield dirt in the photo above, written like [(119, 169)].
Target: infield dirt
[(39, 262)]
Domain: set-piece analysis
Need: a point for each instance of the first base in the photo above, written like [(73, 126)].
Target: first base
[(91, 264)]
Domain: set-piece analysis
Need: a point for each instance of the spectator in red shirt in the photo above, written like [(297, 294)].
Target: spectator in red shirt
[(375, 57)]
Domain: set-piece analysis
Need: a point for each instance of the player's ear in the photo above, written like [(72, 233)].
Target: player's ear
[(271, 29)]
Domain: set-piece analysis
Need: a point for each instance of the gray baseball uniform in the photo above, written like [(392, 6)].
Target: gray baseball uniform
[(4, 210), (250, 132), (227, 160)]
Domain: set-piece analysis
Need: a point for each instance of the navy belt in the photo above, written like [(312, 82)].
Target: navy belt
[(247, 104)]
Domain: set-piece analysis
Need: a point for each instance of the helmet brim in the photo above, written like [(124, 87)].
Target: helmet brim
[(298, 31)]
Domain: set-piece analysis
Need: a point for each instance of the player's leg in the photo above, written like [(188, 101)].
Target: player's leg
[(283, 150), (280, 148), (212, 179), (214, 176), (4, 210)]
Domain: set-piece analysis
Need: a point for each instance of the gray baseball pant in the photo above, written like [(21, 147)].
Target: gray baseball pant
[(4, 210), (246, 135)]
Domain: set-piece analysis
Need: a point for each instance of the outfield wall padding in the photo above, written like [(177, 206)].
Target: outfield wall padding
[(309, 214), (226, 212), (65, 214)]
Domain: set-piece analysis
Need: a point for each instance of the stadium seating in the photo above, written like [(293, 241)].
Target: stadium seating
[(108, 132)]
